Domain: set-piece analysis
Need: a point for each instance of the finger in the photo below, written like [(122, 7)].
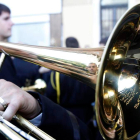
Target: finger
[(10, 112), (3, 104)]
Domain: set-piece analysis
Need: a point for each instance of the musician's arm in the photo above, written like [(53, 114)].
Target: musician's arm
[(59, 123)]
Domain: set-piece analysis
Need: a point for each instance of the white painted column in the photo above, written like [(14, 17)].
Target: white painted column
[(96, 23)]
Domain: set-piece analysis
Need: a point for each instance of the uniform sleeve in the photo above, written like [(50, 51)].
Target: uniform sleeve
[(8, 71), (58, 123)]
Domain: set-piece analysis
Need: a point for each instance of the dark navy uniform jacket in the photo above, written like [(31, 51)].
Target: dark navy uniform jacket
[(8, 71), (26, 71), (71, 94), (61, 124)]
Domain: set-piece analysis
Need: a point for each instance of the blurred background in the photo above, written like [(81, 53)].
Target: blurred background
[(50, 22)]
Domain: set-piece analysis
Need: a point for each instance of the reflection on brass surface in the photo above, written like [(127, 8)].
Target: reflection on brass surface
[(39, 86), (80, 63), (118, 83)]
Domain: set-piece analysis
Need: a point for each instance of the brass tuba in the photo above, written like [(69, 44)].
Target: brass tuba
[(118, 83)]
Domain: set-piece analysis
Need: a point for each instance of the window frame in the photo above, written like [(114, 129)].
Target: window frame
[(114, 7)]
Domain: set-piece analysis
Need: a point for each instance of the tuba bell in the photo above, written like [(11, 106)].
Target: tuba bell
[(118, 83)]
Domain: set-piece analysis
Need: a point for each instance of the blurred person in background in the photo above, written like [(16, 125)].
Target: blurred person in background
[(20, 72), (92, 68), (70, 93), (7, 70), (72, 42)]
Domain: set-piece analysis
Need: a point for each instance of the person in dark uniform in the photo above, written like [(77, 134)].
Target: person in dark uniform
[(70, 93), (7, 70), (20, 72)]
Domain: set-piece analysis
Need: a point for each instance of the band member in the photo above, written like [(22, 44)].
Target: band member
[(7, 70), (70, 93), (92, 68), (20, 72)]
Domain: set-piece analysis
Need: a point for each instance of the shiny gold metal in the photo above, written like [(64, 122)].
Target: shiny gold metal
[(9, 133), (79, 63), (39, 86), (32, 129), (118, 83), (73, 62)]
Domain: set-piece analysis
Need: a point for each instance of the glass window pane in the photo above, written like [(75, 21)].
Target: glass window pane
[(31, 34), (111, 12), (107, 22), (120, 12)]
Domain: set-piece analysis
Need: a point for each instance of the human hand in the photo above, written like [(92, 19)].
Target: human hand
[(17, 100)]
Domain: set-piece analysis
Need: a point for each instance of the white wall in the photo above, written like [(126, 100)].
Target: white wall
[(96, 23), (32, 7), (77, 22), (82, 21)]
